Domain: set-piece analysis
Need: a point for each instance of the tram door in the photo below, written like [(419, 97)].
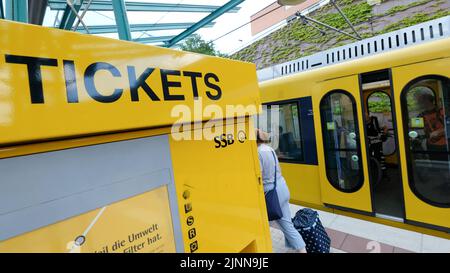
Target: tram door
[(422, 92), (343, 169)]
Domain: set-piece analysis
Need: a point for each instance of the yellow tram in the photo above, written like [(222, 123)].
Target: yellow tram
[(324, 142)]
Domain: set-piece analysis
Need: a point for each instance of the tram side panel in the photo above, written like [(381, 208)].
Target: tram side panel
[(302, 176), (425, 172)]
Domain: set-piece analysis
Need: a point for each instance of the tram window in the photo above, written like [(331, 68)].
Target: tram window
[(379, 106), (341, 143), (286, 138), (426, 108)]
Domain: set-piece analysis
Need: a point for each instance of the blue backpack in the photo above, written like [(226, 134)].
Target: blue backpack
[(308, 224)]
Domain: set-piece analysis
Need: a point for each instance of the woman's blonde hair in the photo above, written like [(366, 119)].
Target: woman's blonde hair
[(261, 136)]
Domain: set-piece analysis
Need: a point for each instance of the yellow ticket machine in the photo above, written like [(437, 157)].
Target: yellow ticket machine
[(111, 146)]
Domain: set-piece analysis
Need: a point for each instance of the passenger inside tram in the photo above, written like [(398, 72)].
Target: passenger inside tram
[(434, 124), (428, 113), (382, 152), (377, 135)]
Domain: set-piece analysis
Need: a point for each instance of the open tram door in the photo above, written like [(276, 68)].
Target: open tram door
[(422, 92), (343, 169)]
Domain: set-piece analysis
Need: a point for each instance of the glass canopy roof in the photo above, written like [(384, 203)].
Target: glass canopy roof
[(160, 22)]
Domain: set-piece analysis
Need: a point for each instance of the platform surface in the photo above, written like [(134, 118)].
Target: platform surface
[(350, 235)]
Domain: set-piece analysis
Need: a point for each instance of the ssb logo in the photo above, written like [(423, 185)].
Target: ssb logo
[(225, 140)]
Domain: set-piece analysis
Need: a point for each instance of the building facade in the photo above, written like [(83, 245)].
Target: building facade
[(274, 14)]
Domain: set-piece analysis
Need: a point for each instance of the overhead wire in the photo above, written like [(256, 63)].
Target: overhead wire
[(159, 20), (212, 41), (243, 25)]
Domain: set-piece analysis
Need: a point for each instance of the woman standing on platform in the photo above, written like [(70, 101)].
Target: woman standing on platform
[(271, 172)]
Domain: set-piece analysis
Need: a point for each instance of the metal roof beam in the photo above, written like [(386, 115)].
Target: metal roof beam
[(102, 29), (2, 13), (36, 11), (17, 10), (68, 17), (208, 19), (141, 6), (156, 39), (120, 13)]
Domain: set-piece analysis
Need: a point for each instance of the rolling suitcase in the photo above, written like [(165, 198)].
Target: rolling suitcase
[(308, 224)]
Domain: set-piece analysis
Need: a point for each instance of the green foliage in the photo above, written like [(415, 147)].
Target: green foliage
[(379, 102), (298, 40), (414, 20), (196, 44), (400, 8), (298, 32), (355, 13)]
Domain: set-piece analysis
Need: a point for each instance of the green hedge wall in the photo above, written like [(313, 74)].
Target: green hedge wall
[(298, 40)]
